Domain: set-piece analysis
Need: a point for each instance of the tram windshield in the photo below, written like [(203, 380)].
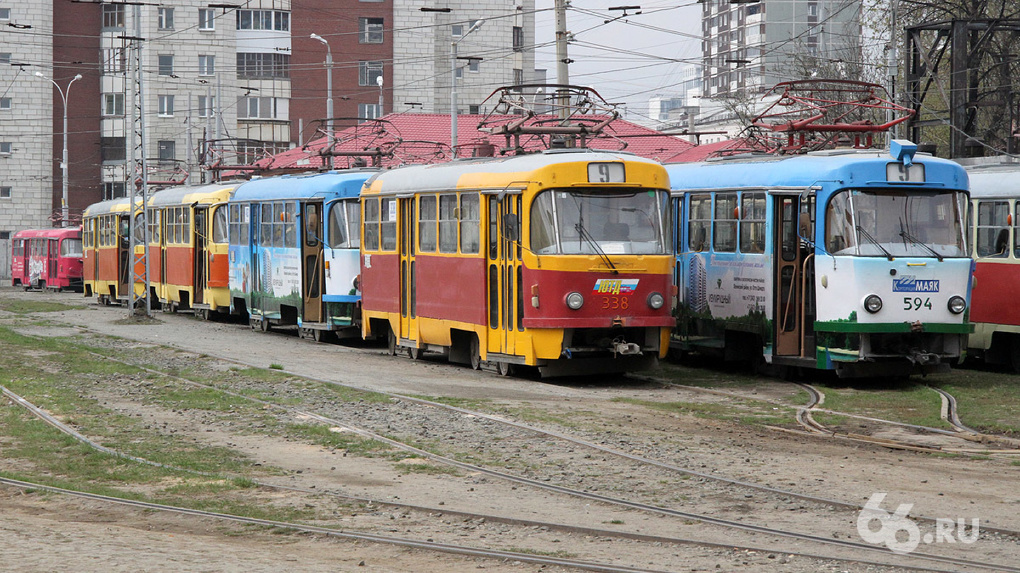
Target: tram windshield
[(587, 221), (70, 248), (896, 223)]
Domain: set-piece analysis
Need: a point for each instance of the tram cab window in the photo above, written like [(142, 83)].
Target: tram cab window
[(70, 248), (587, 221), (219, 230), (700, 222), (901, 223), (992, 229)]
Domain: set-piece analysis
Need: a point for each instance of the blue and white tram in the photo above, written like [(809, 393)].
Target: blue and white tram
[(844, 260), (294, 252)]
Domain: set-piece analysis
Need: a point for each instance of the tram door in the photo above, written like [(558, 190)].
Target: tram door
[(313, 281), (408, 246), (52, 256), (124, 258), (789, 265), (503, 262), (201, 261)]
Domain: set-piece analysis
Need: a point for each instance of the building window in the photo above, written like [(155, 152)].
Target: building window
[(263, 20), (367, 111), (114, 60), (5, 192), (206, 106), (368, 72), (113, 16), (114, 190), (473, 109), (166, 105), (458, 72), (5, 13), (5, 103), (264, 66), (5, 57), (473, 65), (518, 38), (113, 104), (206, 65), (167, 150), (206, 19), (6, 147), (166, 19), (370, 30), (518, 76), (113, 148), (256, 108), (166, 65)]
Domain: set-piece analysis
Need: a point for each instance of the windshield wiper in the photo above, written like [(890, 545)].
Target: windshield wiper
[(917, 241), (861, 232), (583, 233)]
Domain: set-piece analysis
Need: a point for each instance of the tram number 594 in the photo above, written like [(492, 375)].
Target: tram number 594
[(615, 303), (916, 303)]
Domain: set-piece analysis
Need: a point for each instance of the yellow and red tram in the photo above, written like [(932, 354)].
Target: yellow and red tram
[(559, 260), (188, 249), (106, 245)]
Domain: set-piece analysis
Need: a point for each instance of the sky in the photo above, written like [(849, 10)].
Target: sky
[(628, 60)]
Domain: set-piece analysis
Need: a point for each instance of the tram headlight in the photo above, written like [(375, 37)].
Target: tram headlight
[(575, 300), (655, 300), (957, 304), (873, 303)]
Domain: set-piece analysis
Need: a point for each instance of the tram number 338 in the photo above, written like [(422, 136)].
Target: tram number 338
[(916, 303), (615, 303)]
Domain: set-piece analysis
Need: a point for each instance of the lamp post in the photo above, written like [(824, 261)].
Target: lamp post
[(64, 94), (329, 84), (453, 83)]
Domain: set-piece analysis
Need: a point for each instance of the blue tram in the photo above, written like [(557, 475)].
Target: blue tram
[(293, 244), (844, 260)]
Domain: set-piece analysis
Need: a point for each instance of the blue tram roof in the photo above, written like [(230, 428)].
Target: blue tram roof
[(831, 169), (329, 185)]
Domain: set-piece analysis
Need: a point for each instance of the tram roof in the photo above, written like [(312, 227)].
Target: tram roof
[(501, 172), (52, 233), (846, 167), (326, 185), (995, 180), (211, 193), (119, 205)]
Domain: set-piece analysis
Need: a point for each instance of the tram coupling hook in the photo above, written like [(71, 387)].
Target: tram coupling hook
[(924, 358), (625, 348)]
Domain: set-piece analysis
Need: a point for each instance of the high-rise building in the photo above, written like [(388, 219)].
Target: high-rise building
[(223, 84)]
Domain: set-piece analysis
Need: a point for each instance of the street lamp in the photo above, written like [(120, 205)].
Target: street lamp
[(64, 94), (329, 84), (453, 89)]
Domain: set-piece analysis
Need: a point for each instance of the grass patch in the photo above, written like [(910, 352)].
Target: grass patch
[(908, 402), (703, 372), (275, 366), (29, 306), (427, 468), (338, 439), (987, 400)]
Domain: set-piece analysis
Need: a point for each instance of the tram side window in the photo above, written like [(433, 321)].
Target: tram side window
[(992, 229), (185, 225), (427, 224), (700, 222), (1016, 236), (233, 234), (752, 223), (154, 225), (353, 223), (470, 220), (388, 224), (244, 225), (372, 224), (724, 232), (840, 235), (219, 229), (338, 227), (289, 224), (71, 248), (266, 230), (447, 223)]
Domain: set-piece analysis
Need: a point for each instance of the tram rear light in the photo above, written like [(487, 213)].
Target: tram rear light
[(575, 300), (873, 303), (957, 304), (655, 300)]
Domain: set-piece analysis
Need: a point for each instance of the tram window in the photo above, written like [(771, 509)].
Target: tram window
[(290, 233), (388, 224), (494, 228), (1016, 236), (724, 232), (469, 223), (266, 238), (992, 229), (70, 248), (244, 225), (219, 229), (427, 224), (752, 223), (154, 219), (185, 225), (311, 223), (700, 222), (372, 224), (233, 234), (839, 227), (447, 223), (338, 227), (139, 229), (353, 224)]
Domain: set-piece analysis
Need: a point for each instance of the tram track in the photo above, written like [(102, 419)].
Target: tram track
[(852, 546)]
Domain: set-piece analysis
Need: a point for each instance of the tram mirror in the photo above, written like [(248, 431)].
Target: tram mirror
[(510, 229)]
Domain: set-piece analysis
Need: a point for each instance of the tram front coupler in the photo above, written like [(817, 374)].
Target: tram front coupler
[(922, 358), (624, 348)]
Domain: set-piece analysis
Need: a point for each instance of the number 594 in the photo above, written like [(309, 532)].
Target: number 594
[(916, 303)]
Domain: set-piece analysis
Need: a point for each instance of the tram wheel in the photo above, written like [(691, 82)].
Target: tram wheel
[(264, 325), (202, 313), (504, 368), (318, 335), (414, 352), (391, 343), (476, 355)]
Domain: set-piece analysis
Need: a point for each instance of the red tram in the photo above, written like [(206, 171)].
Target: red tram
[(47, 259)]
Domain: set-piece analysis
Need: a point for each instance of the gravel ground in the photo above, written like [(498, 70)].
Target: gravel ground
[(44, 533)]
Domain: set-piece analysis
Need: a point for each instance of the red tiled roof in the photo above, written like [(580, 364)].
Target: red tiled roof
[(703, 152), (425, 138)]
